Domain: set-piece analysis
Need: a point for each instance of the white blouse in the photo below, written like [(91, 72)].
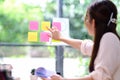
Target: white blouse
[(107, 62), (86, 47)]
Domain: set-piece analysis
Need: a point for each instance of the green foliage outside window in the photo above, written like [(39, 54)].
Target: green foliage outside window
[(15, 17)]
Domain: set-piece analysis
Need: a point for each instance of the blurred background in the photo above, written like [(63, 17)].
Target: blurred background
[(23, 55)]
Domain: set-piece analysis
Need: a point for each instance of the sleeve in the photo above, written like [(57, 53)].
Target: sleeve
[(86, 47), (107, 60)]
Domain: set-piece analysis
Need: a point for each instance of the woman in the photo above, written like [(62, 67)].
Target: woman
[(100, 22)]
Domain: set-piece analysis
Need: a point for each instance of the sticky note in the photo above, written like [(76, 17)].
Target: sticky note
[(55, 40), (32, 36), (44, 25), (33, 25), (44, 37), (57, 25)]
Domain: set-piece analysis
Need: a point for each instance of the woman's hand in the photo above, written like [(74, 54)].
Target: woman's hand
[(55, 33), (56, 77)]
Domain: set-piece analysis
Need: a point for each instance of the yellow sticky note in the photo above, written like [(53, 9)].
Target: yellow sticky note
[(55, 40), (45, 24), (32, 36)]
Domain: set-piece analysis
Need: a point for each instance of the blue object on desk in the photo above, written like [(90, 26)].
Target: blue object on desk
[(43, 73)]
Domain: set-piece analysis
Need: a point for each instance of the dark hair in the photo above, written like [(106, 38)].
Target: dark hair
[(101, 12)]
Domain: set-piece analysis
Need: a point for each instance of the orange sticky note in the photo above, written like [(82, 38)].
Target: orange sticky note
[(44, 25), (32, 36)]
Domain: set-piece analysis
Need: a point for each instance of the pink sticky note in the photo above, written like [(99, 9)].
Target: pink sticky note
[(44, 37), (57, 25), (33, 25)]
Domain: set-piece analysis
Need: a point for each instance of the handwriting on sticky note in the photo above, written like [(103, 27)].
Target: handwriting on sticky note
[(33, 25), (44, 37), (57, 25), (32, 36), (44, 25)]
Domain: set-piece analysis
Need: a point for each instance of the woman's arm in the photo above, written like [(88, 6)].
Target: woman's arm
[(55, 34), (75, 43), (85, 46)]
